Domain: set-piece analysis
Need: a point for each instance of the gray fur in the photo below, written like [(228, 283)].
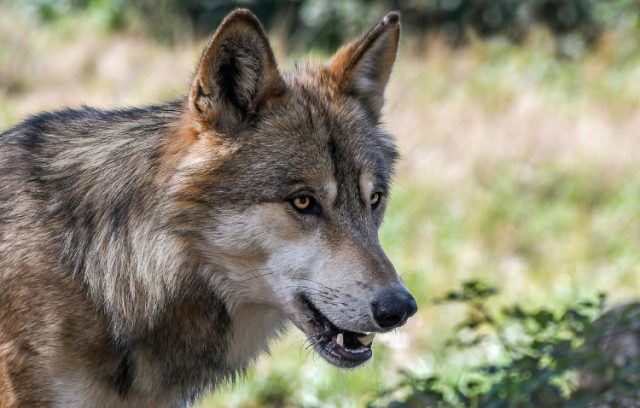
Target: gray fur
[(121, 281)]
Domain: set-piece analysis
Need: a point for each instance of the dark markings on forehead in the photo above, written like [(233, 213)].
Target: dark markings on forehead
[(326, 119), (320, 123), (310, 117), (313, 101), (333, 155), (354, 142), (350, 154)]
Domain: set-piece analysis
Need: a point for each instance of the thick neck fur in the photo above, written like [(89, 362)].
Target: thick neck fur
[(109, 201), (114, 198), (113, 187)]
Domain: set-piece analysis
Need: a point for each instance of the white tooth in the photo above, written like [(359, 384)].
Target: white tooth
[(367, 340), (340, 340)]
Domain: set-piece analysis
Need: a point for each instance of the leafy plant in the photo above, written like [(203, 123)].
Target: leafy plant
[(575, 24), (549, 358)]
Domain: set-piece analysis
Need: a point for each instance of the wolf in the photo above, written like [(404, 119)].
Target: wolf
[(149, 254)]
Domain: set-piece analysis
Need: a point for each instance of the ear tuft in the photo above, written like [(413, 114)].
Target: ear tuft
[(362, 68), (392, 17), (237, 71)]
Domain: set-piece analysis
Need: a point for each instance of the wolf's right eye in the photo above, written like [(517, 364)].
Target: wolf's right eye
[(306, 205), (302, 203)]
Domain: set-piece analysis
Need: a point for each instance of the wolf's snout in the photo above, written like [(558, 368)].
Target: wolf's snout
[(393, 307)]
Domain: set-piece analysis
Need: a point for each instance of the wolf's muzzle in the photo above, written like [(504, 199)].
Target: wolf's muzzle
[(392, 307)]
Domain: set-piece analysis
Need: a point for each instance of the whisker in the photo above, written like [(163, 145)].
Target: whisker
[(305, 287), (317, 293), (312, 344), (258, 276), (318, 283)]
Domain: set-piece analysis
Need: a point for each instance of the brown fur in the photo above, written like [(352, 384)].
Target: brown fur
[(177, 147), (149, 254), (352, 59)]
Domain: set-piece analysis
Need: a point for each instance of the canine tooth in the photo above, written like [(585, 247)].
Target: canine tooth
[(340, 340), (367, 340)]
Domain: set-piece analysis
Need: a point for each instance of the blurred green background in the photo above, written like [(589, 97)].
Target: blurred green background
[(518, 122)]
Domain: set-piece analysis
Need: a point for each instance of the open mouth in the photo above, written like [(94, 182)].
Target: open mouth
[(340, 347)]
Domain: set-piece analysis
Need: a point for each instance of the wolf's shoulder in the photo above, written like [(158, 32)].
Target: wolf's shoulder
[(85, 120)]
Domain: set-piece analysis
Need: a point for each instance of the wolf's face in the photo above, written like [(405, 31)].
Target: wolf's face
[(297, 190)]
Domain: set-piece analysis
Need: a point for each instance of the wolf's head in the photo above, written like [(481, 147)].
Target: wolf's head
[(286, 180)]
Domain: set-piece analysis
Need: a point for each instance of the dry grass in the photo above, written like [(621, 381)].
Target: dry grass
[(518, 168)]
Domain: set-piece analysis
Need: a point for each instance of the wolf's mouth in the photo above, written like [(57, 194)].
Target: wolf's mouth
[(340, 347)]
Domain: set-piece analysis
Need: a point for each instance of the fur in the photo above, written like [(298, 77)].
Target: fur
[(148, 254)]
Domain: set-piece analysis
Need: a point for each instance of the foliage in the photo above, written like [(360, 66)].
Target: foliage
[(518, 168), (549, 358), (325, 24)]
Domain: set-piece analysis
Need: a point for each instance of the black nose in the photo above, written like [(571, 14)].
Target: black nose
[(393, 307)]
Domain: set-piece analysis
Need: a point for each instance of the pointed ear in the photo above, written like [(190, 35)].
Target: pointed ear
[(236, 73), (362, 68)]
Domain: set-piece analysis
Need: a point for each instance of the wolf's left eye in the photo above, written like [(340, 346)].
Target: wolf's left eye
[(375, 199)]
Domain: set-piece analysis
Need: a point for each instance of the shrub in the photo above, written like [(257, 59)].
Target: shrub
[(327, 24), (550, 358)]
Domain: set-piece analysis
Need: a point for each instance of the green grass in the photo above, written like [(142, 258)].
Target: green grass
[(519, 169), (554, 221), (564, 233)]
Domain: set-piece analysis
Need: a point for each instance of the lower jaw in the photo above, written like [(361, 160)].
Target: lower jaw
[(343, 362), (327, 348)]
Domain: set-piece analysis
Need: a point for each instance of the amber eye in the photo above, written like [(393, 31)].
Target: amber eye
[(301, 203), (375, 200), (306, 204)]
